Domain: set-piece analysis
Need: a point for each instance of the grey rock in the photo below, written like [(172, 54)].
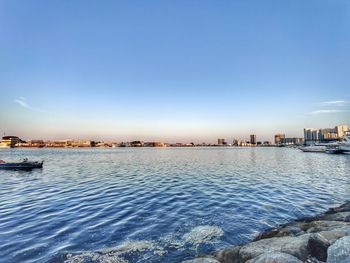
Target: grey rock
[(341, 216), (317, 226), (202, 260), (296, 246), (343, 208), (275, 257), (292, 230), (335, 234), (318, 246), (267, 234), (339, 252), (228, 255)]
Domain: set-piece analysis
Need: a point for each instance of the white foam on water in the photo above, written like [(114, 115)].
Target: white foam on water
[(94, 257), (114, 254), (203, 234), (199, 234), (131, 246)]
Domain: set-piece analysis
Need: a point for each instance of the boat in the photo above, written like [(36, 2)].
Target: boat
[(314, 148), (23, 165), (344, 145), (4, 146), (334, 150)]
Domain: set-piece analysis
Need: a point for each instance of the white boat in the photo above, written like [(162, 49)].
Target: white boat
[(3, 145), (344, 145), (314, 148)]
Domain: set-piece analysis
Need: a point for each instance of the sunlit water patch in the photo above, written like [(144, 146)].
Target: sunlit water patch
[(157, 205)]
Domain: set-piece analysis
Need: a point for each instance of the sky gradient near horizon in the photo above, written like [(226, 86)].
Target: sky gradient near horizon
[(173, 70)]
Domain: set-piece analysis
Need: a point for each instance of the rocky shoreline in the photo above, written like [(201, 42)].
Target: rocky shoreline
[(321, 238)]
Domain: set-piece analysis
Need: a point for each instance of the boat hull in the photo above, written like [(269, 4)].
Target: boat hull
[(319, 149), (345, 149), (21, 166)]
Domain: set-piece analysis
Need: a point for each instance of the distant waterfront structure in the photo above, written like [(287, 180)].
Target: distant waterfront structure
[(154, 144), (327, 134), (279, 137), (291, 141), (341, 130), (69, 143), (235, 142), (137, 143), (82, 143), (310, 135), (31, 144), (221, 141), (10, 141), (253, 139)]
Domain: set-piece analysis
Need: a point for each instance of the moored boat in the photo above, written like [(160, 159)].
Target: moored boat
[(344, 145), (24, 165), (336, 150), (314, 148), (4, 146)]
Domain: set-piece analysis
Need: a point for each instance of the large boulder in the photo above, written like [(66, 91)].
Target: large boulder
[(318, 246), (202, 260), (228, 255), (296, 246), (339, 252), (274, 257), (317, 226), (343, 208), (336, 233), (341, 216)]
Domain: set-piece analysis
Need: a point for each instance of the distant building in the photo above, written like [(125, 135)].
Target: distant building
[(243, 143), (310, 135), (154, 144), (341, 130), (82, 143), (221, 141), (31, 143), (253, 139), (59, 143), (291, 141), (279, 137), (235, 142), (327, 134), (10, 141), (137, 143)]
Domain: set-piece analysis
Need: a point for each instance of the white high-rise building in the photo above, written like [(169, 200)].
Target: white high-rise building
[(310, 135), (341, 129)]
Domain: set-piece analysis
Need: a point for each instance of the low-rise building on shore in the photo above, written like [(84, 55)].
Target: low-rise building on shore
[(11, 141)]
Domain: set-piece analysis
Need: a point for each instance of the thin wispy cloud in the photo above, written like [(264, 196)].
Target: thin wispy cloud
[(335, 103), (327, 111), (22, 101)]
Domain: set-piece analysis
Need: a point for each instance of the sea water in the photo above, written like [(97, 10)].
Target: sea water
[(157, 204)]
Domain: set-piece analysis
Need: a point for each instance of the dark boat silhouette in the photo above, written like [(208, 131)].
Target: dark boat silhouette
[(24, 165)]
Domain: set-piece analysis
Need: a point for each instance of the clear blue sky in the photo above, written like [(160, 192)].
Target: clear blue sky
[(173, 70)]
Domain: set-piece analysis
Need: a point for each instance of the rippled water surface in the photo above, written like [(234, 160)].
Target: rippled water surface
[(157, 205)]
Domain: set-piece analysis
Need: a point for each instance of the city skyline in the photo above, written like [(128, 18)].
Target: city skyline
[(309, 135), (179, 71)]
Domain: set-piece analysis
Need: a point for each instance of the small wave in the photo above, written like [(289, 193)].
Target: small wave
[(203, 234)]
